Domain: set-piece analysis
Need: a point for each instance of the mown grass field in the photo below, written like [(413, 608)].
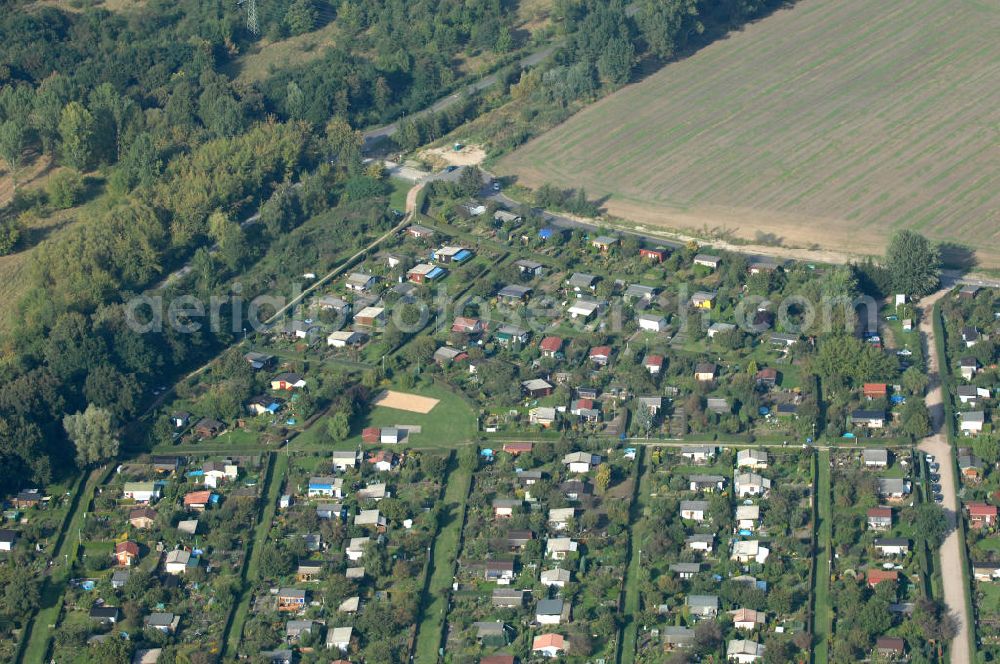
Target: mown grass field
[(446, 550), (833, 123), (821, 592), (452, 422)]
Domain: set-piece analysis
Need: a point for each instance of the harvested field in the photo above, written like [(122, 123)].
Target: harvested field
[(832, 123), (403, 401)]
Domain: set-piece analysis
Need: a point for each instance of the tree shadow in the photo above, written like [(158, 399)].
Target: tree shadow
[(955, 256), (714, 30)]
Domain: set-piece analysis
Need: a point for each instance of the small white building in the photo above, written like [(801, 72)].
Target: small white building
[(755, 459), (580, 462), (702, 606), (142, 492), (749, 551), (704, 543), (748, 619), (558, 548), (744, 651), (875, 457), (747, 517), (370, 519), (694, 510), (584, 309), (345, 338), (356, 548), (698, 453), (892, 546), (559, 518), (339, 638), (972, 423), (390, 435), (751, 484), (652, 322), (556, 578), (549, 611), (177, 561), (7, 539), (344, 459)]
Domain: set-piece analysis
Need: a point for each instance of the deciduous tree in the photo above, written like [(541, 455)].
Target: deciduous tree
[(914, 263), (92, 431), (76, 133)]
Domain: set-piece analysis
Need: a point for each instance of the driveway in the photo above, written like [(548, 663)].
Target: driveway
[(955, 583)]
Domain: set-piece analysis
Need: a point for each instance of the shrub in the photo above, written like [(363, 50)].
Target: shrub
[(65, 189)]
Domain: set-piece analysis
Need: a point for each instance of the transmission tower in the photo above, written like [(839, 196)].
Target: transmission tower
[(252, 17)]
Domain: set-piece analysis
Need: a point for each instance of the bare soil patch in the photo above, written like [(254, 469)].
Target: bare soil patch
[(469, 155), (403, 401)]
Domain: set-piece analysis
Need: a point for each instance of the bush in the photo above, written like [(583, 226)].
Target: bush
[(65, 189), (10, 235)]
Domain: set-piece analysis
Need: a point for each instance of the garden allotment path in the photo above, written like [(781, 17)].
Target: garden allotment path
[(955, 584)]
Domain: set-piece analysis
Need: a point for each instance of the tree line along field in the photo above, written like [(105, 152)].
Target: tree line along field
[(832, 123)]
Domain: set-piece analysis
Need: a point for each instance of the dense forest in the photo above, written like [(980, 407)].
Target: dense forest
[(141, 115)]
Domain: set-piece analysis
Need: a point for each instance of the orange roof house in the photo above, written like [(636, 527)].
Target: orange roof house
[(126, 553), (653, 363), (197, 499), (981, 514), (548, 644), (877, 576), (517, 448), (463, 325), (600, 354), (875, 390), (550, 345)]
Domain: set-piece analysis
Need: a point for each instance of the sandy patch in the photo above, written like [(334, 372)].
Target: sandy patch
[(469, 155), (404, 401)]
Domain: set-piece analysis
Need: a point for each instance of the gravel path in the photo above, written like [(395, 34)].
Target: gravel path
[(955, 584)]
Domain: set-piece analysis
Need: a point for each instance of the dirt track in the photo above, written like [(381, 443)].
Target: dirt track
[(955, 583)]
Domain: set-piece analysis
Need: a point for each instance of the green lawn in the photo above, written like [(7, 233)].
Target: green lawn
[(446, 544), (397, 193), (67, 548), (989, 544), (989, 603), (451, 422), (631, 630), (821, 592), (269, 494)]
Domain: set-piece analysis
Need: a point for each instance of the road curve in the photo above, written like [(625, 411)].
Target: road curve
[(955, 584)]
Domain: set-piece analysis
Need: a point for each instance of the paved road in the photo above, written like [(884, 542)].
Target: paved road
[(955, 583)]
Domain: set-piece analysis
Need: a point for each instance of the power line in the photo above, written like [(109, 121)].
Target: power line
[(252, 17)]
